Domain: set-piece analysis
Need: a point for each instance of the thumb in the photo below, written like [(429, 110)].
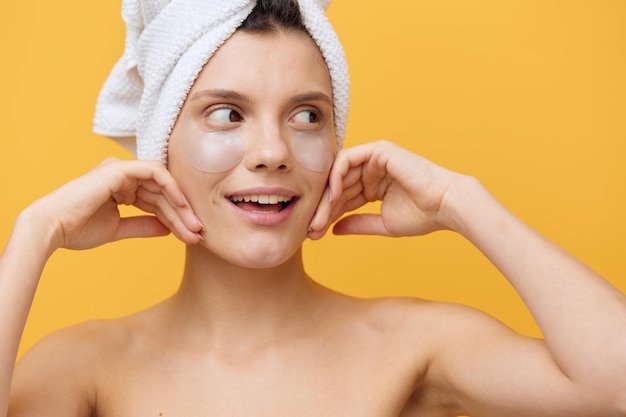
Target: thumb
[(361, 224), (140, 226)]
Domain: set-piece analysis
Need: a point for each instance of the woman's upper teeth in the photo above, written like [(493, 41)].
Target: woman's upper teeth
[(261, 198)]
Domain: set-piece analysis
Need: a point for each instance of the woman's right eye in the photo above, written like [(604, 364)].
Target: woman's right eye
[(224, 116)]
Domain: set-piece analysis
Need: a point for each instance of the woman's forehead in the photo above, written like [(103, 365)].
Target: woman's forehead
[(286, 60)]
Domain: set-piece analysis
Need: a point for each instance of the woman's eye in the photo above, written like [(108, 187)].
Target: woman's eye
[(306, 116), (224, 116)]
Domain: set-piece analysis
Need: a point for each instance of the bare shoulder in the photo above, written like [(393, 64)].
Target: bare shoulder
[(73, 346), (437, 339), (427, 331), (57, 376), (424, 320), (434, 330), (477, 365), (401, 335)]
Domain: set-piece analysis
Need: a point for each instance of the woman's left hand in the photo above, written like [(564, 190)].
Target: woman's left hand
[(414, 193)]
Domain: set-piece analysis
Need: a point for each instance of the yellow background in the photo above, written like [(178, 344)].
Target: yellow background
[(527, 95)]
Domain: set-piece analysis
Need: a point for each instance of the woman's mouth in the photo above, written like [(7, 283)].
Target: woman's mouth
[(262, 203)]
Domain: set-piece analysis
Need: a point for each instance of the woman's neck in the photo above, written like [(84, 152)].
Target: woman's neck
[(226, 304)]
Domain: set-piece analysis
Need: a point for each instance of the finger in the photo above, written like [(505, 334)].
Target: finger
[(156, 188), (176, 226), (322, 212), (140, 226), (183, 208), (321, 225), (144, 206), (171, 226), (160, 201), (353, 176), (361, 224), (346, 190), (329, 211), (344, 176), (129, 175), (165, 219), (171, 218), (352, 192), (156, 177), (351, 199), (348, 160)]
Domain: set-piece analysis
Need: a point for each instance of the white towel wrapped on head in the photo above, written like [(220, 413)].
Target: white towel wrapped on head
[(167, 44)]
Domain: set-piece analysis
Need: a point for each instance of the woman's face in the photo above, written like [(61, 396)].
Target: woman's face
[(253, 145)]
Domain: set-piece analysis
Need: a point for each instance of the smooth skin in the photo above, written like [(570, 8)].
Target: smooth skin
[(250, 334)]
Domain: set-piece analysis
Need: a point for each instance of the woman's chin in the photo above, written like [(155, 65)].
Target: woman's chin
[(256, 255)]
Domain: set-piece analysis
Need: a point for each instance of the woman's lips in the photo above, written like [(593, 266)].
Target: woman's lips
[(264, 207), (264, 203)]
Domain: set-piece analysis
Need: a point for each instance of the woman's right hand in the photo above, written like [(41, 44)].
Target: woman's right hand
[(84, 213)]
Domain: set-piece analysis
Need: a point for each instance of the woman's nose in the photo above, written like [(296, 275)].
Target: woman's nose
[(267, 148)]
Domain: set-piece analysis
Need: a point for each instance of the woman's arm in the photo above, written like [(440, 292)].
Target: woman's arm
[(21, 265), (80, 215), (580, 367), (582, 317)]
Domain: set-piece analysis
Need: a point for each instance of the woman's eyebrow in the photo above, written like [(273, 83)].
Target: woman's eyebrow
[(223, 94), (312, 96), (236, 96)]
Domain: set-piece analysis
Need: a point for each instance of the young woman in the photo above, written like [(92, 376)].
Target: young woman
[(248, 178)]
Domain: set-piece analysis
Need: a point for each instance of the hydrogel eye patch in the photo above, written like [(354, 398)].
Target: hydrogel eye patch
[(221, 151), (210, 151), (314, 150)]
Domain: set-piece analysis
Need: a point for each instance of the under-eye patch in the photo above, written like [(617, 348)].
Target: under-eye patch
[(314, 150), (222, 150), (209, 151)]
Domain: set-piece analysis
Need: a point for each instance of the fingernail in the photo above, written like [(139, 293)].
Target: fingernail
[(183, 200)]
